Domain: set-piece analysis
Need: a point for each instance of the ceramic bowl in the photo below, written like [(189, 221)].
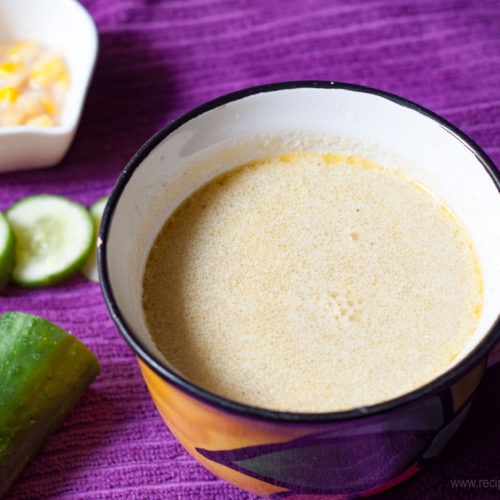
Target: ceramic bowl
[(345, 454), (67, 28)]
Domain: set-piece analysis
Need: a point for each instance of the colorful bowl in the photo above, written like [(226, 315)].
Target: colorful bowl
[(289, 455)]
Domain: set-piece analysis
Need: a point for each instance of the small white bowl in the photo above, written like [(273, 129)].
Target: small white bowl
[(67, 28)]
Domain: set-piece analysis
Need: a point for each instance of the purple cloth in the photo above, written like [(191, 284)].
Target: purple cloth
[(157, 60)]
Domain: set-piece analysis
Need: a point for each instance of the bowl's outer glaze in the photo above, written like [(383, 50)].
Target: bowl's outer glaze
[(276, 459)]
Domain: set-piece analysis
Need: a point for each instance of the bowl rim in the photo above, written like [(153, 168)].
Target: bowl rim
[(442, 382)]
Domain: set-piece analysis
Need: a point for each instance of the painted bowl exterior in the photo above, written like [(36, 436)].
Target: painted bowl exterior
[(348, 459)]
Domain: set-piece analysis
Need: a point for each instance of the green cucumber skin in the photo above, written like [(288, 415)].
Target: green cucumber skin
[(7, 266), (43, 373)]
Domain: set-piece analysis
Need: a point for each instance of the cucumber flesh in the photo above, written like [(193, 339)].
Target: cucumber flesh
[(7, 250), (44, 371), (54, 237), (89, 269)]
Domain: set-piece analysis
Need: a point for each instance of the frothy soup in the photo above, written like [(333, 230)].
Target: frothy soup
[(312, 282)]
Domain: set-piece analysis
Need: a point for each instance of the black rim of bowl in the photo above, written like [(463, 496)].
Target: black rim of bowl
[(476, 356)]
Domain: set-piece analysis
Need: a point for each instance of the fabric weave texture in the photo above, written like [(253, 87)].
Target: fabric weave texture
[(160, 58)]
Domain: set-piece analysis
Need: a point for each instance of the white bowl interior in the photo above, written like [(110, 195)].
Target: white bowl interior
[(65, 27), (267, 123)]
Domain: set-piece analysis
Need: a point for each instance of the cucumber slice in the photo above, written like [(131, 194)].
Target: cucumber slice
[(54, 237), (44, 371), (89, 269), (7, 250)]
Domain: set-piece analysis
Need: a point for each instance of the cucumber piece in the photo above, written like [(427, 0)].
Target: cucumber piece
[(54, 237), (89, 269), (44, 370), (7, 250)]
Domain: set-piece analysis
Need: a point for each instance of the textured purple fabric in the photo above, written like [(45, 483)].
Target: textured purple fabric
[(157, 60)]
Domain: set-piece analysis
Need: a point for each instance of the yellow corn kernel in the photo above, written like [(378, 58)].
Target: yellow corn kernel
[(41, 121), (24, 50), (12, 73), (8, 95), (33, 84), (11, 116), (30, 104), (46, 71), (63, 80), (11, 67), (49, 105)]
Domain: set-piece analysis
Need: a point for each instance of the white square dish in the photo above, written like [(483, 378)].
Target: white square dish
[(65, 27)]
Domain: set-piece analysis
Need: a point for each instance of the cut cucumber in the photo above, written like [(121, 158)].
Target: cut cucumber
[(89, 269), (54, 237), (7, 250), (44, 370)]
